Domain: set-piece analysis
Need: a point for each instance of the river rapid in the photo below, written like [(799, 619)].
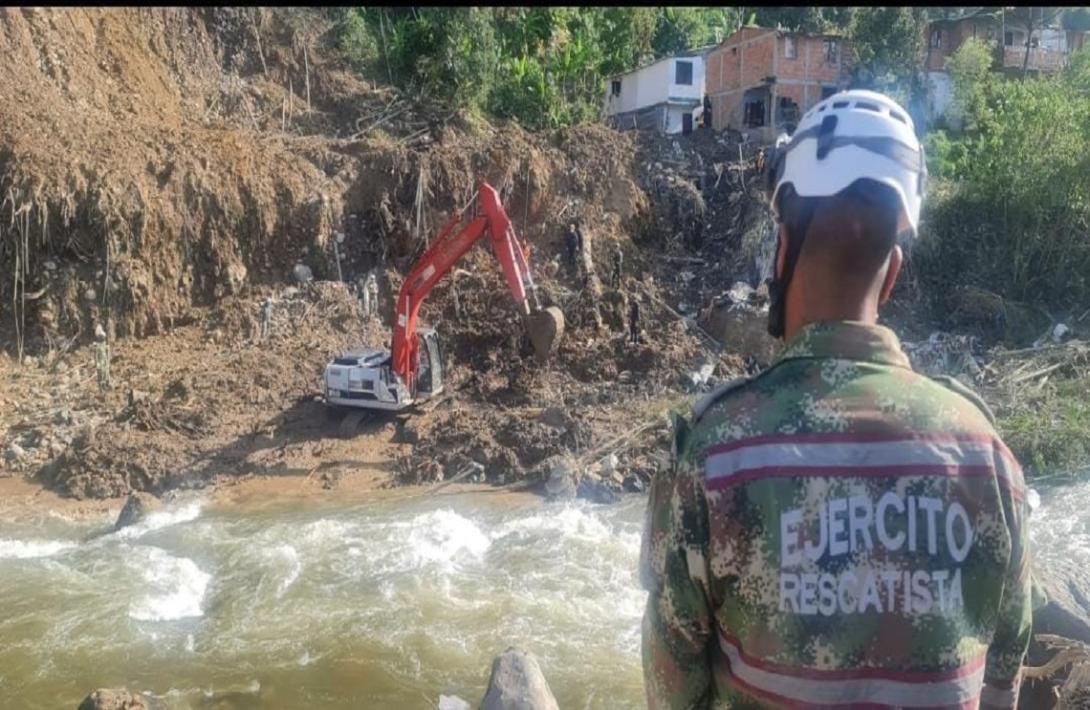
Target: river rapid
[(380, 604), (385, 604)]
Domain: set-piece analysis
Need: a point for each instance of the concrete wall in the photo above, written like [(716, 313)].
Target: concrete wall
[(654, 84), (940, 91)]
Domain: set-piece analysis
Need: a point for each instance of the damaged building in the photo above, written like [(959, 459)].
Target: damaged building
[(762, 80)]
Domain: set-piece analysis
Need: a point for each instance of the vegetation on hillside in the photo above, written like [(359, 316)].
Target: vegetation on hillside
[(1014, 213)]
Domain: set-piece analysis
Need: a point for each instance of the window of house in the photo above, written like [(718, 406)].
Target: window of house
[(790, 49), (936, 38), (832, 51), (616, 88), (1035, 42), (683, 73), (754, 114)]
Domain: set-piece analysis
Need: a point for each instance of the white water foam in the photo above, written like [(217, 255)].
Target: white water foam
[(32, 549), (161, 519), (288, 557), (322, 532), (573, 522), (442, 536), (178, 587)]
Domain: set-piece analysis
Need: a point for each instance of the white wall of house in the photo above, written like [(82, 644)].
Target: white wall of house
[(1053, 40), (940, 91), (655, 84)]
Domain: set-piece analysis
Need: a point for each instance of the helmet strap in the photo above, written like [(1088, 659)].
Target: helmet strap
[(777, 285)]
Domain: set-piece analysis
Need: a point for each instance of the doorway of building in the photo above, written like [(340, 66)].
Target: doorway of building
[(755, 104)]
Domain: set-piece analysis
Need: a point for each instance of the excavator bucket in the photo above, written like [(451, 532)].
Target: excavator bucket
[(545, 328)]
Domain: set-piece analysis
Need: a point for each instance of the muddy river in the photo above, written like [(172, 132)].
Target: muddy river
[(380, 604), (384, 604)]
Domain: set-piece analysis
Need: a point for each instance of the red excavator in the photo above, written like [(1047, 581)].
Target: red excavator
[(414, 370)]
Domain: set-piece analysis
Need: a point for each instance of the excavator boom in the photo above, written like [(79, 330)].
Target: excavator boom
[(544, 326)]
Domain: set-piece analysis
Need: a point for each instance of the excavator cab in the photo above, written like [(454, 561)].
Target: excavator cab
[(430, 377)]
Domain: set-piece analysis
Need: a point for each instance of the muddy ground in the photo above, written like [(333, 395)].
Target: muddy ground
[(162, 173), (165, 170)]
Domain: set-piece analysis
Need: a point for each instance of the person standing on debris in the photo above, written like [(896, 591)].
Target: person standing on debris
[(618, 265), (573, 243), (371, 295), (266, 317), (838, 529), (102, 358), (706, 118), (634, 320)]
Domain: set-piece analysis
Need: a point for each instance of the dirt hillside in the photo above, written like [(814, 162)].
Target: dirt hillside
[(163, 170)]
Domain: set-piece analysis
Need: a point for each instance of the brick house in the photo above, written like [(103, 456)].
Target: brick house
[(762, 80)]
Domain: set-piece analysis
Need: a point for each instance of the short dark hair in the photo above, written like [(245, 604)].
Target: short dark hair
[(851, 233)]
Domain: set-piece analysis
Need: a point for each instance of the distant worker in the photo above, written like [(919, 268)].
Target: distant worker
[(838, 530), (706, 118), (573, 243), (102, 358), (634, 320), (617, 267), (266, 317), (370, 295)]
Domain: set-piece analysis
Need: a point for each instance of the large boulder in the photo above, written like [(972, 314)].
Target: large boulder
[(517, 684), (739, 320), (1061, 607), (107, 699), (137, 507), (560, 483)]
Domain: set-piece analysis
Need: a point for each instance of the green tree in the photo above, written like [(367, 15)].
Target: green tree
[(1017, 218), (969, 69), (804, 19), (1076, 19), (888, 44), (678, 29)]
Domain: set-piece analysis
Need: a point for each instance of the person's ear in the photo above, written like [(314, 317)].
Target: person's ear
[(896, 260), (781, 253)]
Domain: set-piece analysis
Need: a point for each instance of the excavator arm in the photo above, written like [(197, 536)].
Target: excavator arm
[(544, 326)]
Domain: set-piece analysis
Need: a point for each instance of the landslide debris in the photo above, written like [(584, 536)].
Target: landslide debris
[(164, 172)]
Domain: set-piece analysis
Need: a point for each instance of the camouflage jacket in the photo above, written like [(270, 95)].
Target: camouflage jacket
[(837, 531)]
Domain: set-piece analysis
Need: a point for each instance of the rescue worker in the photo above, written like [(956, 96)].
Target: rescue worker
[(618, 266), (573, 242), (102, 358), (266, 317), (706, 117), (634, 321), (370, 296), (838, 530)]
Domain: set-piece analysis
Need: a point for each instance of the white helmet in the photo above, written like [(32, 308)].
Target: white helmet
[(848, 136)]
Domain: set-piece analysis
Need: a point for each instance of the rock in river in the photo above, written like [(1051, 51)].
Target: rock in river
[(137, 507), (107, 699), (517, 684)]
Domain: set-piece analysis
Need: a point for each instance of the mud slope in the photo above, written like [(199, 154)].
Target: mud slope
[(163, 170), (153, 160)]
